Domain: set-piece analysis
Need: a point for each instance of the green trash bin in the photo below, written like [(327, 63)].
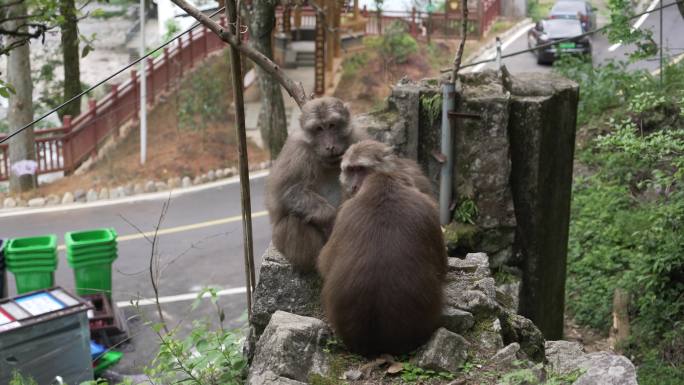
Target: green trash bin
[(33, 278), (30, 245), (90, 254), (32, 261), (84, 240), (93, 277)]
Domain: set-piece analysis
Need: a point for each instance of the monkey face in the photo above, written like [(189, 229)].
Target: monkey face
[(325, 126), (352, 178), (362, 159)]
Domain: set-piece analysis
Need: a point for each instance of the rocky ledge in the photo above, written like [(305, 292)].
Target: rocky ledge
[(482, 341)]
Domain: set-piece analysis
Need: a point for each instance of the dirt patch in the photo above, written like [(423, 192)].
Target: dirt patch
[(367, 79)]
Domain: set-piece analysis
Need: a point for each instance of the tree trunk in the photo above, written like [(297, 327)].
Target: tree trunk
[(272, 121), (21, 146), (70, 55)]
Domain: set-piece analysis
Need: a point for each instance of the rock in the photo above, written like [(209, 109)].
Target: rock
[(21, 203), (605, 368), (352, 375), (219, 173), (506, 356), (36, 202), (129, 189), (211, 175), (186, 182), (52, 200), (445, 351), (138, 188), (228, 172), (9, 203), (508, 295), (281, 288), (456, 320), (516, 328), (264, 165), (161, 186), (67, 198), (104, 193), (461, 238), (91, 195), (563, 356), (113, 193), (197, 180), (150, 186), (174, 182), (487, 334), (79, 195), (270, 378), (600, 368), (120, 192), (291, 347)]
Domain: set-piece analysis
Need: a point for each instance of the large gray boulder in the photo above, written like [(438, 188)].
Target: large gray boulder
[(599, 368), (282, 288), (291, 347)]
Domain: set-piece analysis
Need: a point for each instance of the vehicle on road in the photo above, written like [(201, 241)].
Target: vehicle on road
[(548, 31), (575, 9)]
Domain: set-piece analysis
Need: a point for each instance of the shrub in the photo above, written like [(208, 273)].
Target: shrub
[(395, 45)]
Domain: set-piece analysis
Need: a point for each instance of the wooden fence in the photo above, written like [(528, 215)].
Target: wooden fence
[(65, 148)]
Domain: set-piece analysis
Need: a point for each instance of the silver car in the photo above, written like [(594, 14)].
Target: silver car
[(575, 9)]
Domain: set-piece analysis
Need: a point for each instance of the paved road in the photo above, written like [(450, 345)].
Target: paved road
[(191, 259), (673, 43)]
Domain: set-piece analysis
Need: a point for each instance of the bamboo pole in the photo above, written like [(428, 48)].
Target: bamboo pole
[(236, 68)]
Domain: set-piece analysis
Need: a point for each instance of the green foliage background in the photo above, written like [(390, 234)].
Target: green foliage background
[(627, 225)]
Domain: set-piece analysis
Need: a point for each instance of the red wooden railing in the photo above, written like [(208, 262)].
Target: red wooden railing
[(65, 148)]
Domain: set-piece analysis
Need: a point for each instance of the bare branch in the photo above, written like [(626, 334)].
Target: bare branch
[(464, 25), (154, 260), (295, 89)]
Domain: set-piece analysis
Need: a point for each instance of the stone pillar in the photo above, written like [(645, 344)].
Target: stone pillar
[(514, 163), (542, 130), (482, 164)]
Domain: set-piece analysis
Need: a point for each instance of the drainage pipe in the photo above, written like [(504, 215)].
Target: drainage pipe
[(447, 171)]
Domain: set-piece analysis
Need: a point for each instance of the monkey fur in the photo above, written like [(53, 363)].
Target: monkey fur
[(384, 265), (303, 189)]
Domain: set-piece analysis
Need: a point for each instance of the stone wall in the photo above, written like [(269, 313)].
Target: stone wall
[(513, 161)]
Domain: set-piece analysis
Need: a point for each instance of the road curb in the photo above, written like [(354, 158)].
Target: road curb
[(175, 192), (503, 36)]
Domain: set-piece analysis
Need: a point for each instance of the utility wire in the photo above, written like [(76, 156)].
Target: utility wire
[(124, 68), (555, 42)]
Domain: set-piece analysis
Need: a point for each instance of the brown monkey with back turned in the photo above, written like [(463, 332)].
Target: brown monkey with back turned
[(385, 262), (303, 189)]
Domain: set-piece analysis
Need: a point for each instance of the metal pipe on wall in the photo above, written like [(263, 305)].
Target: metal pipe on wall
[(447, 171)]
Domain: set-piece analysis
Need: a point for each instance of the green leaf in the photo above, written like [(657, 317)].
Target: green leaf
[(86, 50)]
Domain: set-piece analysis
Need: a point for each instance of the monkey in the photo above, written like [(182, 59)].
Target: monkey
[(384, 264), (384, 160), (303, 189)]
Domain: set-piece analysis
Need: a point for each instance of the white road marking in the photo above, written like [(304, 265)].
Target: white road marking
[(180, 297), (178, 229), (638, 23), (504, 45), (135, 198)]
